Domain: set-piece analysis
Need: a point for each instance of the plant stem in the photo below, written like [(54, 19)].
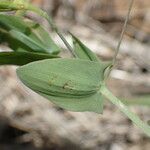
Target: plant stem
[(123, 31), (53, 26), (21, 5), (133, 117)]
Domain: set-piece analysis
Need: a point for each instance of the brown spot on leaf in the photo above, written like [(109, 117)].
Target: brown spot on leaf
[(67, 85)]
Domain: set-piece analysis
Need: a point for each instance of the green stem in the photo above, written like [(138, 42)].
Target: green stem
[(60, 35), (53, 26), (133, 117), (25, 6)]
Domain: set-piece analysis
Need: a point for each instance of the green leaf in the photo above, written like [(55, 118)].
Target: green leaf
[(93, 103), (27, 34), (13, 43), (7, 23), (82, 51), (39, 34), (22, 58), (26, 6), (36, 47), (60, 79), (15, 5), (10, 22), (8, 5)]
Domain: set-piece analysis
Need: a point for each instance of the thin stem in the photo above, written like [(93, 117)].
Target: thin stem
[(53, 26), (123, 31), (64, 40), (20, 5), (133, 117)]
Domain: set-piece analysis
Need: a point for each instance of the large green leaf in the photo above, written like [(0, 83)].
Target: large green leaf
[(58, 79), (22, 58)]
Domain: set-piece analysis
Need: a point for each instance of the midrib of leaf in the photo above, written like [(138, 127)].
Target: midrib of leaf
[(133, 117)]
